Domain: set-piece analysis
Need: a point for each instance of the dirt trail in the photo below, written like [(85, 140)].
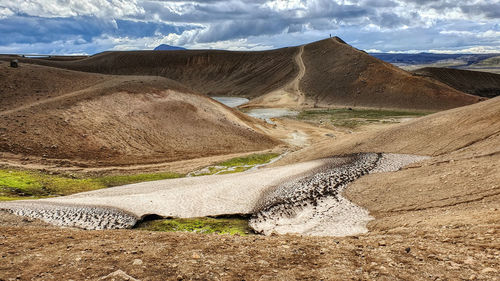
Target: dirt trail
[(109, 83), (289, 95), (295, 84)]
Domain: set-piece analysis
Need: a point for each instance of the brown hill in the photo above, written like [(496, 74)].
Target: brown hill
[(211, 72), (467, 131), (338, 75), (105, 119), (483, 84), (326, 73)]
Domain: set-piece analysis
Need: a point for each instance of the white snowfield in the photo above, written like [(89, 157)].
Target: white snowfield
[(289, 199), (192, 196)]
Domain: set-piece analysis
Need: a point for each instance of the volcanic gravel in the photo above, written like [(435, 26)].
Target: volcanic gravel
[(85, 217), (313, 205)]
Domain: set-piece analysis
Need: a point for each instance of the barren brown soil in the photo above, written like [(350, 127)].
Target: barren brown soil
[(112, 120), (477, 83), (335, 74), (435, 220)]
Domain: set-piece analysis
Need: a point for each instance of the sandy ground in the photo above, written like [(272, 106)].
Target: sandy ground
[(435, 220)]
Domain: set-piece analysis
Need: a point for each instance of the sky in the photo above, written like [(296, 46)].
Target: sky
[(92, 26)]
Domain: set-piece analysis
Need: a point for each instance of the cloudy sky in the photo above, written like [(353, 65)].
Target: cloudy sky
[(91, 26)]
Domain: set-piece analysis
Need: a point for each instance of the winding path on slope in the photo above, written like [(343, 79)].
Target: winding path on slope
[(112, 82), (295, 84), (289, 95), (108, 83)]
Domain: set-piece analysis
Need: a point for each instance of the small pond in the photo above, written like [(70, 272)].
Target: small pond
[(261, 113), (231, 101)]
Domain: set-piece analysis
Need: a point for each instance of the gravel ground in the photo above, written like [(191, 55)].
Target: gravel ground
[(302, 198), (86, 217)]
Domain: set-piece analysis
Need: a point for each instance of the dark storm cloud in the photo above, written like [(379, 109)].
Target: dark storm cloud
[(490, 10), (27, 29), (239, 29)]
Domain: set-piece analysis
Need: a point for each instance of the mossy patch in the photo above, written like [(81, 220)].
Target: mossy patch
[(18, 184), (251, 160), (26, 184), (205, 225), (236, 165), (353, 118)]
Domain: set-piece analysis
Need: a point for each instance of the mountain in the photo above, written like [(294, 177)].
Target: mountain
[(327, 73), (165, 47), (429, 58)]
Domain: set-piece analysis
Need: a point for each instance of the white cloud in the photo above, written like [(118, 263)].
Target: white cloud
[(5, 12), (73, 8)]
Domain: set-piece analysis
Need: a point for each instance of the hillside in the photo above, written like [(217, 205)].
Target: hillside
[(326, 73), (215, 73), (103, 119), (408, 59), (472, 130), (339, 75), (477, 83)]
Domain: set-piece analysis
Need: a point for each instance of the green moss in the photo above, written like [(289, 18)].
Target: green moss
[(236, 165), (200, 225), (235, 170), (352, 118), (251, 160), (14, 184), (17, 184)]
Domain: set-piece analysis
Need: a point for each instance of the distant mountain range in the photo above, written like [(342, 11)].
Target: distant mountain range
[(165, 47), (410, 62), (426, 58)]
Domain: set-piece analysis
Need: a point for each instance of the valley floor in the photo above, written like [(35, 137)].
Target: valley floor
[(435, 220)]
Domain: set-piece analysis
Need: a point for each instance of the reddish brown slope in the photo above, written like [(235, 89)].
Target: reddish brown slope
[(463, 132), (248, 74), (483, 84), (339, 75)]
